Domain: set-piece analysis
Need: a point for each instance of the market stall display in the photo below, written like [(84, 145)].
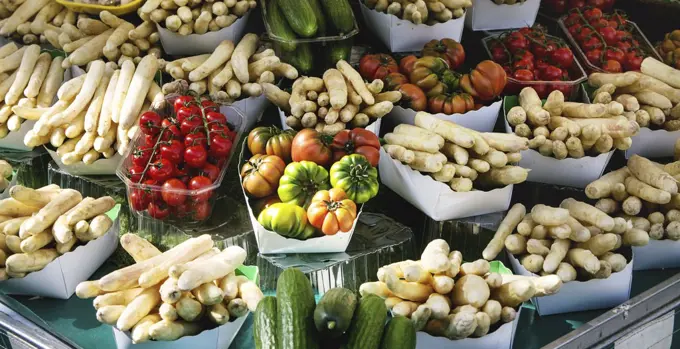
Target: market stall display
[(339, 100), (532, 58), (447, 297), (164, 296)]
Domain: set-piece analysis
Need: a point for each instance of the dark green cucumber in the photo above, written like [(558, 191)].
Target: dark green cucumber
[(300, 16), (338, 50), (333, 314), (400, 334), (295, 311), (302, 58), (340, 14), (265, 324), (320, 17), (368, 323), (279, 27)]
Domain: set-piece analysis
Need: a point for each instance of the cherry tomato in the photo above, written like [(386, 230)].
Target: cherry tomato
[(524, 54), (599, 23), (158, 209), (171, 131), (551, 73), (507, 69), (150, 192), (563, 57), (150, 123), (187, 112), (593, 56), (150, 140), (196, 138), (219, 128), (190, 124), (524, 64), (211, 171), (215, 118), (135, 173), (614, 53), (198, 183), (195, 156), (141, 156), (592, 14), (183, 101), (499, 54), (139, 200), (209, 106), (173, 192), (542, 50), (173, 151), (624, 46), (541, 64), (201, 210), (612, 66), (633, 61), (516, 42), (161, 170), (182, 210), (220, 146), (622, 35), (583, 34), (608, 34), (592, 43), (523, 75)]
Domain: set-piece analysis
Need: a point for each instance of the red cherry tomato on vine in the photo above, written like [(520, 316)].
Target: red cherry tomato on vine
[(195, 156), (612, 66), (173, 192), (592, 43), (158, 209), (183, 101), (188, 112), (161, 170), (171, 131), (523, 64), (551, 73), (201, 210), (141, 156), (150, 140), (135, 173), (191, 124), (499, 54), (612, 53), (541, 64), (593, 56), (139, 200), (563, 57), (516, 42), (196, 138), (151, 193), (523, 75), (219, 128), (173, 151), (215, 118), (211, 171), (608, 34), (592, 14), (624, 46), (198, 183), (633, 61), (622, 35), (209, 106), (150, 123), (524, 54), (220, 146)]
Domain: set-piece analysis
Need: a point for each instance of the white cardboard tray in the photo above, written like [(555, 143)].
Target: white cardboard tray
[(102, 166), (196, 44), (252, 107), (482, 120), (373, 127), (60, 278), (572, 172), (486, 15), (436, 199), (219, 337), (404, 36), (653, 143), (502, 338), (658, 254), (581, 296)]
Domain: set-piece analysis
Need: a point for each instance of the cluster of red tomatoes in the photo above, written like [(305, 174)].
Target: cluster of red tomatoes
[(560, 7), (606, 40), (528, 54), (179, 157)]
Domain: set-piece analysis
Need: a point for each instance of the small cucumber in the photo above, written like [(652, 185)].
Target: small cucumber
[(279, 27), (340, 14), (295, 311), (300, 16), (400, 334), (265, 324), (368, 323), (333, 314)]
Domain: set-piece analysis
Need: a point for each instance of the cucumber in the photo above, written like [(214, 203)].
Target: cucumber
[(338, 50), (265, 324), (279, 27), (368, 323), (400, 334), (340, 14), (333, 314), (302, 58), (300, 16), (320, 17), (295, 311)]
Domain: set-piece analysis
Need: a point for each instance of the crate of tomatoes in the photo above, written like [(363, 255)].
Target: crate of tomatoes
[(178, 161), (558, 8), (606, 42), (532, 58)]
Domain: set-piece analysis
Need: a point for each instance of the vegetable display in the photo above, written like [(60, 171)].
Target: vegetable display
[(457, 156), (39, 225), (420, 11), (293, 320), (316, 193), (651, 97), (533, 58), (5, 175), (30, 80), (97, 113), (669, 49), (447, 297), (644, 193), (194, 17), (431, 82), (182, 292), (575, 241), (230, 73), (180, 158), (339, 100), (607, 43), (570, 129)]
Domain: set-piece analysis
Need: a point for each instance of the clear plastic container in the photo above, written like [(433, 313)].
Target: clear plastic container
[(95, 9), (311, 55), (645, 45), (570, 89), (198, 205)]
